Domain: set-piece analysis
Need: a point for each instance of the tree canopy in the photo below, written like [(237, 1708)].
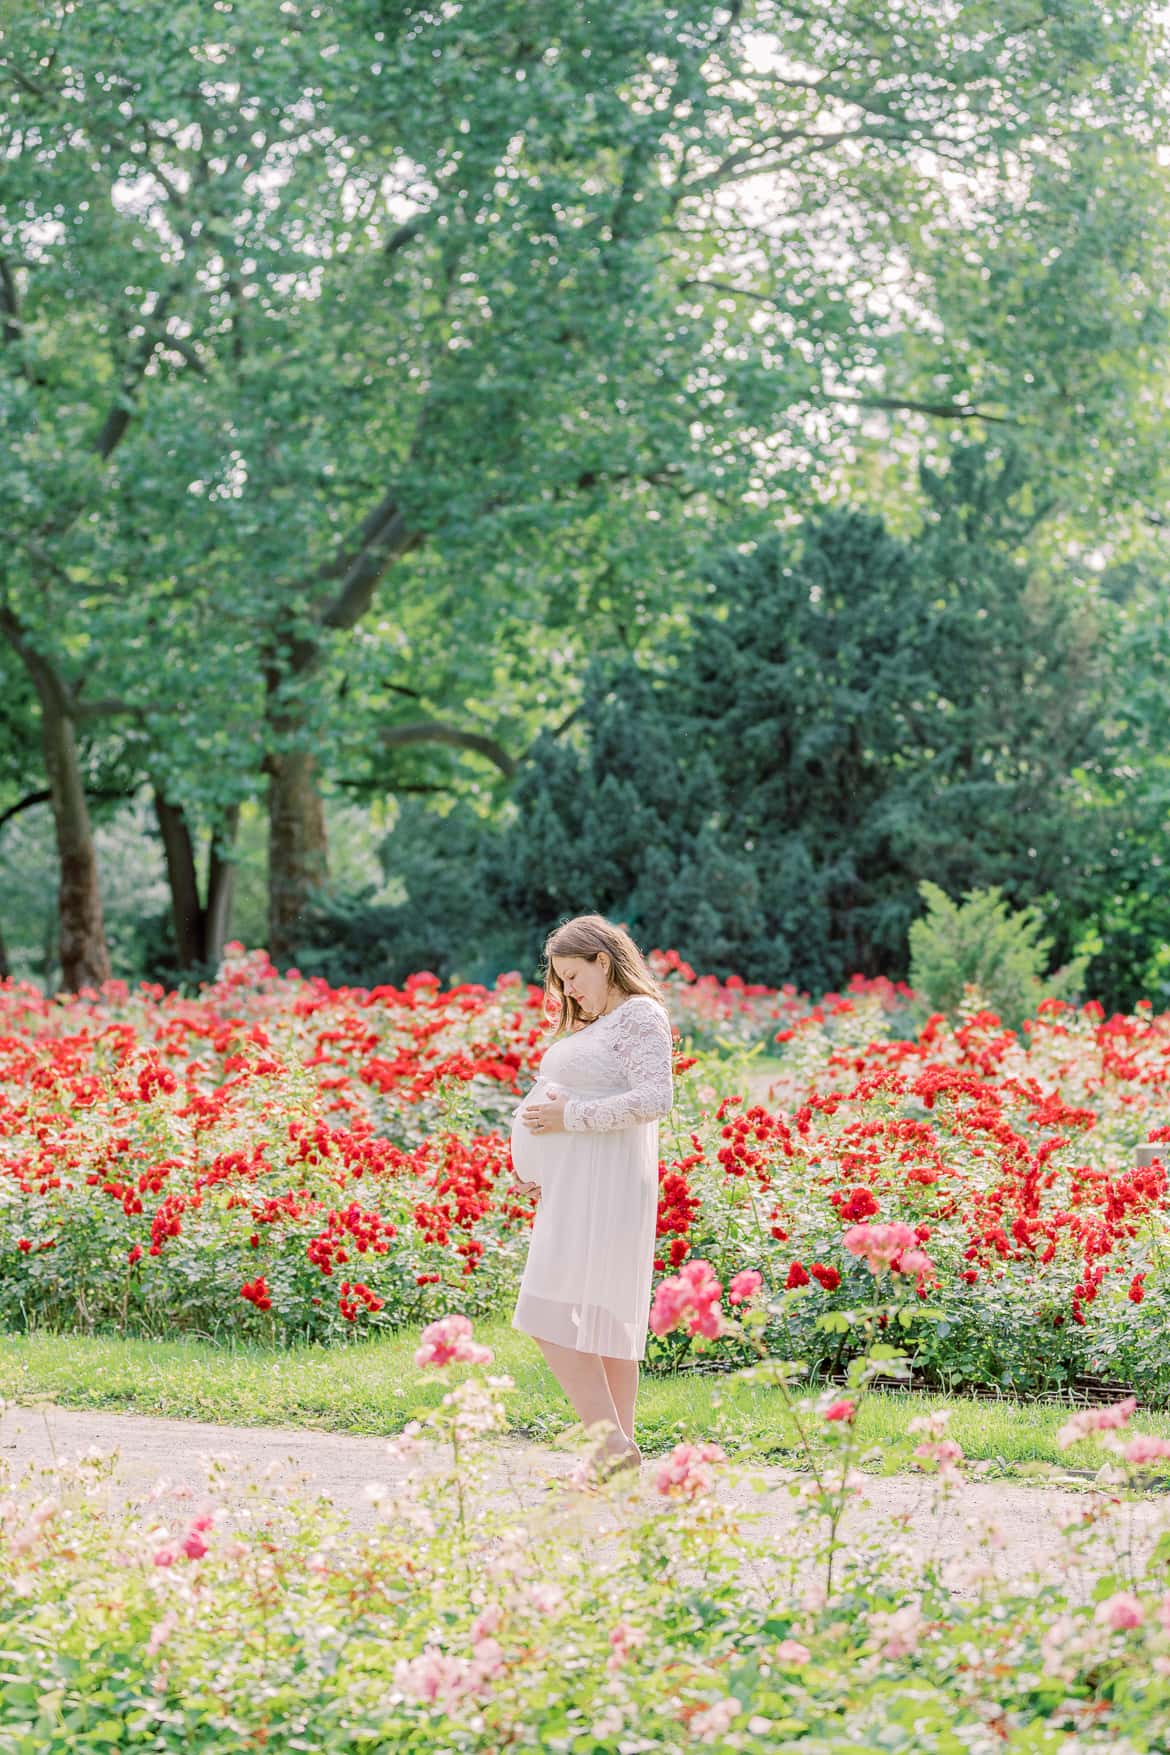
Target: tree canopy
[(367, 367)]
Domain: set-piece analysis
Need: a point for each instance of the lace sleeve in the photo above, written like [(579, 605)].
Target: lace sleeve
[(644, 1045)]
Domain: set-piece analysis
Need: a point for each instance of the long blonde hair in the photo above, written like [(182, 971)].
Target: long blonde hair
[(584, 936)]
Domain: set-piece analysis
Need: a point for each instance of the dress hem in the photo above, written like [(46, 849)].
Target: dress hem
[(545, 1325)]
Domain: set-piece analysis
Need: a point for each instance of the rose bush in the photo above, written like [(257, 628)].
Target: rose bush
[(281, 1159), (598, 1618)]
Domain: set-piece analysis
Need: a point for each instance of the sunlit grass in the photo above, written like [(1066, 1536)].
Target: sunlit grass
[(374, 1387)]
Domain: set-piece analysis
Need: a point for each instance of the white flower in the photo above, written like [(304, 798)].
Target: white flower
[(609, 1724), (406, 1444), (898, 1631), (933, 1425), (716, 1719)]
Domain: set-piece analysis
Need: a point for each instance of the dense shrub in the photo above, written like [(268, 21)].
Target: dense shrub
[(853, 712), (981, 951)]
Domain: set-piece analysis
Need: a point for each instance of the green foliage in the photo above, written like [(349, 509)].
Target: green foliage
[(1127, 919), (421, 289), (618, 823), (445, 923), (852, 711), (981, 953)]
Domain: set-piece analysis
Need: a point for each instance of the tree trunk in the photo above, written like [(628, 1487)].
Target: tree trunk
[(200, 930), (298, 861), (4, 968), (221, 884), (186, 909), (85, 959)]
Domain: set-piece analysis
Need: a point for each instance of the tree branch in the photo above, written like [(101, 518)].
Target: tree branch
[(406, 234), (108, 709), (118, 419), (744, 163), (45, 679), (101, 795), (908, 405), (25, 83), (23, 804), (9, 302), (649, 140), (568, 720), (49, 680), (442, 731), (392, 539)]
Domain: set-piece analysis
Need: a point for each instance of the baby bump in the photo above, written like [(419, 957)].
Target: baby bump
[(527, 1147)]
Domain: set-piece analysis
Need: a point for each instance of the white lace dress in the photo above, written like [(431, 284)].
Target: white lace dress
[(590, 1261)]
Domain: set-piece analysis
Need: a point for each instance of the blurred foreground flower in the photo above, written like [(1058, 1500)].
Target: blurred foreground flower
[(448, 1341), (691, 1296), (1096, 1420), (686, 1472)]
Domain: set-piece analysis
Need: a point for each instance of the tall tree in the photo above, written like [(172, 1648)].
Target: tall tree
[(308, 308)]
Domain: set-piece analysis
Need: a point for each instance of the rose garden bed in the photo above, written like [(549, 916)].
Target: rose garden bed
[(280, 1161)]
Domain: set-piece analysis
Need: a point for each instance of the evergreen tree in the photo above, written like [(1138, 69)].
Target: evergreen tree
[(854, 712)]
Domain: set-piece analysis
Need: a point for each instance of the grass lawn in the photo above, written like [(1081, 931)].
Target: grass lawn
[(374, 1387)]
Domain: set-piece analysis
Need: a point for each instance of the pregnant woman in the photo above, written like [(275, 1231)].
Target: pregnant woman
[(586, 1136)]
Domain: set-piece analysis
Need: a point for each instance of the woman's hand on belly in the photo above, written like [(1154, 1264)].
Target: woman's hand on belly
[(525, 1154), (546, 1117)]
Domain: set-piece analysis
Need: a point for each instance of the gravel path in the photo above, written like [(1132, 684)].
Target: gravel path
[(342, 1465)]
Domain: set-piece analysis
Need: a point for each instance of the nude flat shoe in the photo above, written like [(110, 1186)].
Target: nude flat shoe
[(628, 1463)]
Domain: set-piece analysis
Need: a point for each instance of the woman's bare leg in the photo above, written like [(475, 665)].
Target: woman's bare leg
[(622, 1377), (582, 1377)]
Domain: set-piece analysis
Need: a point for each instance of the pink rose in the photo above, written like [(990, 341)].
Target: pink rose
[(487, 1622), (449, 1341), (1095, 1420), (898, 1631), (744, 1286), (1143, 1447), (686, 1472), (892, 1246), (712, 1723), (623, 1640), (791, 1651), (1120, 1612), (691, 1296), (161, 1632), (944, 1451)]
